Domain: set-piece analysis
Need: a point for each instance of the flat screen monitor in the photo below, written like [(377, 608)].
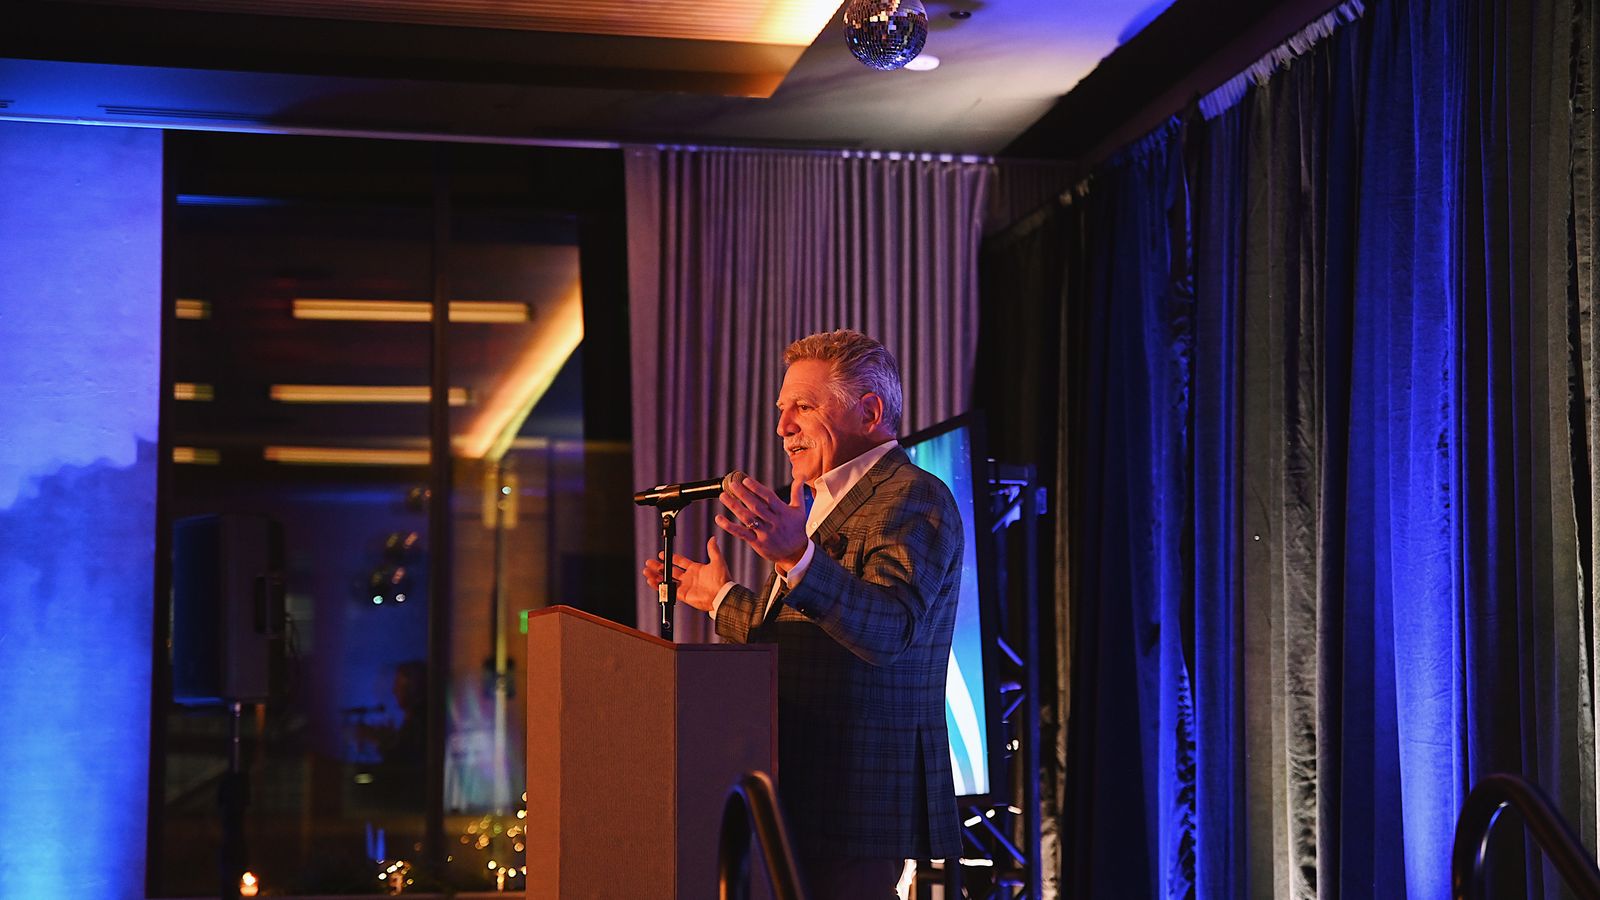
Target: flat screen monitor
[(948, 450)]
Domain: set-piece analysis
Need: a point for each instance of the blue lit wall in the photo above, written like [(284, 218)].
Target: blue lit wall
[(80, 250)]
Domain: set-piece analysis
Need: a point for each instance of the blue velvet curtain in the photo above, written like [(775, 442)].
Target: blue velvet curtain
[(1328, 381)]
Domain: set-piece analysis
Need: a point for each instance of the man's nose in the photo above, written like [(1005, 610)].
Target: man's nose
[(786, 424)]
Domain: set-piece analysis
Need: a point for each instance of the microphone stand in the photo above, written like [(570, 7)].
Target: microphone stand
[(669, 500), (668, 592)]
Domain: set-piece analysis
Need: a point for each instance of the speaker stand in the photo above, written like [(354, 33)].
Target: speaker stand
[(232, 797)]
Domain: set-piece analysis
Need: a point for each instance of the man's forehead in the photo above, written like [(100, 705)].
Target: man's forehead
[(802, 382), (792, 393)]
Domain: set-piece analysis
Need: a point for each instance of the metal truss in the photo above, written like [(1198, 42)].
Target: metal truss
[(1000, 857)]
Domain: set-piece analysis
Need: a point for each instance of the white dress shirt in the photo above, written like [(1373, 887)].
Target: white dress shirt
[(829, 488)]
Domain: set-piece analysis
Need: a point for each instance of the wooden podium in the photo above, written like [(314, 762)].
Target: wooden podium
[(633, 742)]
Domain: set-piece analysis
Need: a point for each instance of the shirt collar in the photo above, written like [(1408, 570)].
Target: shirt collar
[(837, 481)]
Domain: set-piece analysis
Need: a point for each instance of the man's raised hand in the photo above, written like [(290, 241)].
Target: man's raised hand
[(774, 529)]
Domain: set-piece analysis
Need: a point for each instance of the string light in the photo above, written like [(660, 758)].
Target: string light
[(395, 876), (499, 836)]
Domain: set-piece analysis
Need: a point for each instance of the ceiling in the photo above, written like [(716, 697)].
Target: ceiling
[(520, 73), (349, 68)]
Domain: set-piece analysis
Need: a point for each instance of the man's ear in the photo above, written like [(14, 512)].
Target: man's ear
[(871, 411)]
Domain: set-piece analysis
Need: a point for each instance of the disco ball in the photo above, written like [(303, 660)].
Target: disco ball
[(885, 34)]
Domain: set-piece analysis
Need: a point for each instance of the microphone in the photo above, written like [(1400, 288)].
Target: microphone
[(677, 496)]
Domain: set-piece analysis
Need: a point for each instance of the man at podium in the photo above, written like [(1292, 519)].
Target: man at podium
[(861, 602)]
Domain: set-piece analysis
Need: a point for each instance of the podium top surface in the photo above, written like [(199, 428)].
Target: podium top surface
[(592, 619)]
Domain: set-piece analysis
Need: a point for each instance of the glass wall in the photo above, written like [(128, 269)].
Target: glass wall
[(301, 354)]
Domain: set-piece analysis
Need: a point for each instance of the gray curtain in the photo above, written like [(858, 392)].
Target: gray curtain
[(732, 254)]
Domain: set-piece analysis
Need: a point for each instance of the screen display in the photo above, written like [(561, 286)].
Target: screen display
[(949, 456)]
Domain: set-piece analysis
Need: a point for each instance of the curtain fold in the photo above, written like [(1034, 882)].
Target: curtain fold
[(1583, 207), (1127, 802), (1326, 454), (733, 254), (1218, 177)]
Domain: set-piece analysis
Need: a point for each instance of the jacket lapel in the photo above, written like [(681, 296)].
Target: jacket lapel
[(861, 493), (765, 615), (766, 591)]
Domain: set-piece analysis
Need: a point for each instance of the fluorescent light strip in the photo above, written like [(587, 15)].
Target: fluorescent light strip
[(202, 456), (190, 390), (189, 308), (361, 393), (480, 311), (488, 311), (344, 456), (364, 310)]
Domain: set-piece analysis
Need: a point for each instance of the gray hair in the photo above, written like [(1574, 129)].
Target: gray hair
[(860, 366)]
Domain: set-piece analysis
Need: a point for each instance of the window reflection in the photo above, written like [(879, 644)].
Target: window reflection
[(314, 358)]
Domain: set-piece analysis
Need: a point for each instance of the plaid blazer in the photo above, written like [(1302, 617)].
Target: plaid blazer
[(863, 644)]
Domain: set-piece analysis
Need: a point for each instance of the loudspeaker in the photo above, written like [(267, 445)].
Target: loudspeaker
[(227, 608)]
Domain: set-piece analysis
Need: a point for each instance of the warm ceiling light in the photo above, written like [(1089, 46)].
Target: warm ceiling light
[(344, 456), (188, 308), (527, 378), (201, 456), (795, 23), (361, 393), (490, 311), (364, 310), (189, 390)]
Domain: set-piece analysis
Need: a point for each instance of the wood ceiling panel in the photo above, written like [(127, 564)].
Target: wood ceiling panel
[(790, 23)]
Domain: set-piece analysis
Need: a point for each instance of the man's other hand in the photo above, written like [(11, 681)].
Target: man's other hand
[(698, 582)]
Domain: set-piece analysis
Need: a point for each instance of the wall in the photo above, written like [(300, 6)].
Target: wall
[(80, 321)]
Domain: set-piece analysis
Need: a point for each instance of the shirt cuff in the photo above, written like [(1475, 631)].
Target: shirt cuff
[(716, 604), (798, 571)]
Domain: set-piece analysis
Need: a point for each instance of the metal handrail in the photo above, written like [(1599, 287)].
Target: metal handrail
[(1478, 816), (752, 804)]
